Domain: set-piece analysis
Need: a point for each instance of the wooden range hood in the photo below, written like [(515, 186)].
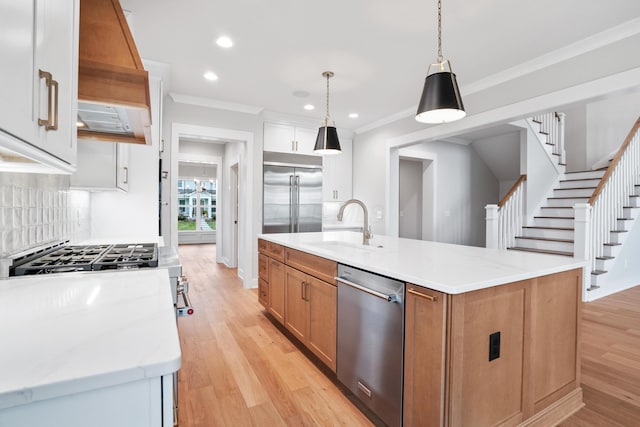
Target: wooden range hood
[(113, 86)]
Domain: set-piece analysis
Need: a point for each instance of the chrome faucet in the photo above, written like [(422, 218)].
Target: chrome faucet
[(366, 230)]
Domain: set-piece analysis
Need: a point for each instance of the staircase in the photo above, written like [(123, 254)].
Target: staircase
[(605, 201), (552, 230)]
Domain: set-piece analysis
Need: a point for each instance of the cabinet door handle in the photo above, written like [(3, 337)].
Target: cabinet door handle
[(302, 290), (54, 126), (126, 175), (296, 145), (293, 145), (48, 78), (306, 292), (421, 295)]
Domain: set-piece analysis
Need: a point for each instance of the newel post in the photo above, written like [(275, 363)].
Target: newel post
[(582, 242), (563, 154), (492, 226), (582, 231)]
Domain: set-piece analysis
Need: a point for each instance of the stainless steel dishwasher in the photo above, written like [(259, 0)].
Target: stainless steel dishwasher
[(370, 340)]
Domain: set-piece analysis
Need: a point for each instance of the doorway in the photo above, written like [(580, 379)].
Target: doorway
[(233, 184), (410, 213), (239, 148), (417, 169)]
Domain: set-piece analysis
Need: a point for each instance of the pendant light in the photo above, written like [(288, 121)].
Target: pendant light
[(440, 101), (327, 140)]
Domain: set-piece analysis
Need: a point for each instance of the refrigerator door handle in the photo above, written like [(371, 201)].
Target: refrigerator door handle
[(291, 205), (297, 203)]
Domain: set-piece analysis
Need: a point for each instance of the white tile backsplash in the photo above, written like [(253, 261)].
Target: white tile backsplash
[(36, 209)]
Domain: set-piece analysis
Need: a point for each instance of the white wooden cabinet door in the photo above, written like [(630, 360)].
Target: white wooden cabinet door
[(289, 139), (337, 174), (38, 74), (101, 166), (18, 75), (56, 53), (305, 140), (279, 138)]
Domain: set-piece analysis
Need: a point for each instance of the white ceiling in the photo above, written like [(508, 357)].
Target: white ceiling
[(379, 49)]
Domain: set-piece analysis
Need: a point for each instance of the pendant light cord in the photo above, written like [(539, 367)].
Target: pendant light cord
[(440, 59), (327, 118)]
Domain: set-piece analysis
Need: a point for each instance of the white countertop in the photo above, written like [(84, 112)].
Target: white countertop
[(448, 268), (73, 332)]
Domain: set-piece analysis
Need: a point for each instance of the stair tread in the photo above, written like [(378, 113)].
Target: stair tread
[(612, 244), (546, 239), (580, 179), (542, 251), (576, 188), (537, 227), (568, 197), (598, 272), (605, 258), (619, 231)]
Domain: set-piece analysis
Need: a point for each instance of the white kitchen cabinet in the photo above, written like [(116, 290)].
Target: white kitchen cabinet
[(337, 176), (289, 139), (39, 45), (101, 166), (144, 403)]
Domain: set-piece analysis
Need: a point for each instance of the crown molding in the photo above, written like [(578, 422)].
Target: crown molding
[(591, 43), (386, 120), (214, 103)]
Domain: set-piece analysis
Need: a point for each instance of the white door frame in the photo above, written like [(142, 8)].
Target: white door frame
[(233, 202), (245, 181)]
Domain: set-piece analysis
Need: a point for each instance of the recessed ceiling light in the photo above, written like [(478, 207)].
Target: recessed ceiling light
[(209, 75), (353, 115), (224, 41), (309, 107)]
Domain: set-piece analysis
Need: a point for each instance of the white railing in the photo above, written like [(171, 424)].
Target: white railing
[(504, 221), (612, 194), (553, 125)]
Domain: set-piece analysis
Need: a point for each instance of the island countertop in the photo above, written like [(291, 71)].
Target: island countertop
[(74, 332), (443, 267)]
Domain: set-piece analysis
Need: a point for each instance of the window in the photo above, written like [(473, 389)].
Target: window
[(196, 205)]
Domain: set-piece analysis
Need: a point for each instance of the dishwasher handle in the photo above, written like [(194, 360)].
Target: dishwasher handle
[(386, 297)]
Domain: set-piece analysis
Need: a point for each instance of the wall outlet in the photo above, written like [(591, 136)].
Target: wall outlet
[(494, 346), (378, 214)]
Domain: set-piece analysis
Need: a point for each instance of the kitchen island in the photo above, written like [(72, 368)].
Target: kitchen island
[(490, 337), (88, 348)]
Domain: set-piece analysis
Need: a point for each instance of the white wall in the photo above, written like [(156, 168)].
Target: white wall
[(130, 216), (369, 154), (575, 138), (608, 123), (464, 185), (232, 154)]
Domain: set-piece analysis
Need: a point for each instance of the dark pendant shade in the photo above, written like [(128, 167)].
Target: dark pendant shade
[(327, 141), (440, 101)]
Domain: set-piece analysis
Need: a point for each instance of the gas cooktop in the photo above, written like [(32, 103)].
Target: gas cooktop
[(61, 259)]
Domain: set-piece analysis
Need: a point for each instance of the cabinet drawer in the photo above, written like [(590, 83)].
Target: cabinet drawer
[(263, 293), (263, 245), (322, 268), (275, 251), (263, 267)]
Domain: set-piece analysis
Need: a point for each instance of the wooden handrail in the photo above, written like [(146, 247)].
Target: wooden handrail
[(614, 162), (512, 190)]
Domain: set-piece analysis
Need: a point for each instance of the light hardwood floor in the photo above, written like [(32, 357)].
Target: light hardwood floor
[(239, 369)]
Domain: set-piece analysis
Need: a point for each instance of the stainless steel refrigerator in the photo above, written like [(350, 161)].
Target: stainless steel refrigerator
[(292, 199)]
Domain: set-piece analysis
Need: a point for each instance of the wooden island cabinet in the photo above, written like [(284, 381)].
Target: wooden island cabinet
[(505, 354), (501, 356), (302, 296)]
